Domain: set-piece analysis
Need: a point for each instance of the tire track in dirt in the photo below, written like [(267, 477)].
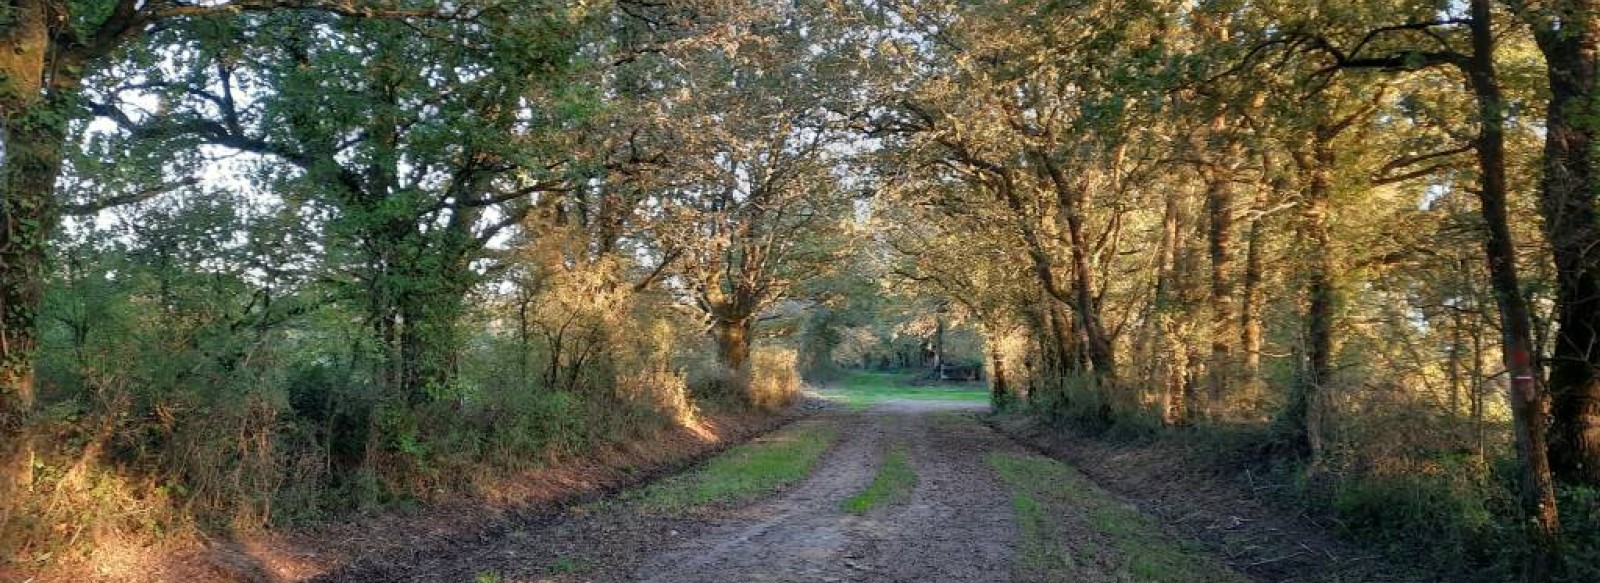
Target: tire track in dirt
[(958, 524), (956, 527)]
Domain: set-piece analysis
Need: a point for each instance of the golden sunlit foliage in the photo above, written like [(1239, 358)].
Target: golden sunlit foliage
[(266, 264)]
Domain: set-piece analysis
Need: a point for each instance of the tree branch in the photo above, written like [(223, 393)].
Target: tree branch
[(89, 208)]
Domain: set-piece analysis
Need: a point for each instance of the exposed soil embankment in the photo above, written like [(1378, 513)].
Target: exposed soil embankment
[(404, 536), (1216, 506)]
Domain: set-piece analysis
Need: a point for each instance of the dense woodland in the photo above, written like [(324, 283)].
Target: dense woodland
[(265, 263)]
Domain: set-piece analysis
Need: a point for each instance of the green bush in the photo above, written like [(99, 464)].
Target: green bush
[(1580, 523), (1448, 506)]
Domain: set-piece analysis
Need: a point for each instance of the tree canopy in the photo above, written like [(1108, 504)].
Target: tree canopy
[(281, 259)]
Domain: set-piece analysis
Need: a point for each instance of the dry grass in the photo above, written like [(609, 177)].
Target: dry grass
[(774, 379), (304, 553)]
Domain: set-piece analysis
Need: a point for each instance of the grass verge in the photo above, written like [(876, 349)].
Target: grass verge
[(1054, 503), (892, 485), (743, 473), (860, 390), (1041, 552)]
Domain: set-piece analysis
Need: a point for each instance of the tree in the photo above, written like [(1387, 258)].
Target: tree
[(1568, 34), (55, 48), (746, 212), (1045, 137), (1388, 48)]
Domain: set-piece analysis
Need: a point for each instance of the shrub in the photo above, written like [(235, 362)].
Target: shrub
[(774, 380), (1580, 522), (1448, 505)]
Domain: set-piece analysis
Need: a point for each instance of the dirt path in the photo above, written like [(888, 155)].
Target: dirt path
[(957, 524)]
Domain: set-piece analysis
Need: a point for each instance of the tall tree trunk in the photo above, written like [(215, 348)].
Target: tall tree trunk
[(1190, 352), (415, 300), (1453, 361), (1529, 402), (1305, 410), (1068, 342), (33, 141), (1063, 355), (1168, 349), (1219, 238), (999, 393), (1254, 276), (33, 137), (1480, 431), (1082, 342), (732, 337), (1073, 202), (1571, 47), (429, 346), (1043, 357), (33, 155), (524, 330)]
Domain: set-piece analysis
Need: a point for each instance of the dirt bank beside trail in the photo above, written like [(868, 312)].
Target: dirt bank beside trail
[(957, 525), (951, 500), (1214, 507), (955, 522), (402, 537)]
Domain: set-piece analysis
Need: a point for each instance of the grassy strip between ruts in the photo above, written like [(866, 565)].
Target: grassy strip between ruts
[(1054, 503), (744, 473), (892, 485), (861, 390)]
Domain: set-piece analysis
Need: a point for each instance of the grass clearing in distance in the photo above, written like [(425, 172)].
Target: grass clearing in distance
[(1051, 500), (860, 390), (892, 485), (744, 473)]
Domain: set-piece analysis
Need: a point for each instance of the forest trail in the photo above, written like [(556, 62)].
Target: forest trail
[(957, 512), (956, 526)]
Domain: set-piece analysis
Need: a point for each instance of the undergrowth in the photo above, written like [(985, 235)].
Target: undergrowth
[(1448, 509), (154, 432)]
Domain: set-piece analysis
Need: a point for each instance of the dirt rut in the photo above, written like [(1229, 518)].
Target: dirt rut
[(956, 526)]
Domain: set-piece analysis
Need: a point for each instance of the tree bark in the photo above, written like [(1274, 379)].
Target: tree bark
[(33, 141), (1219, 239), (1529, 402), (1480, 433), (1453, 361), (33, 155), (1073, 200), (999, 392), (1571, 47), (732, 337), (1254, 277), (429, 357), (1190, 352), (1170, 363), (1304, 413)]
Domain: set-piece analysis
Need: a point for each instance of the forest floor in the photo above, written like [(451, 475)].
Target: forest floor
[(890, 481)]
